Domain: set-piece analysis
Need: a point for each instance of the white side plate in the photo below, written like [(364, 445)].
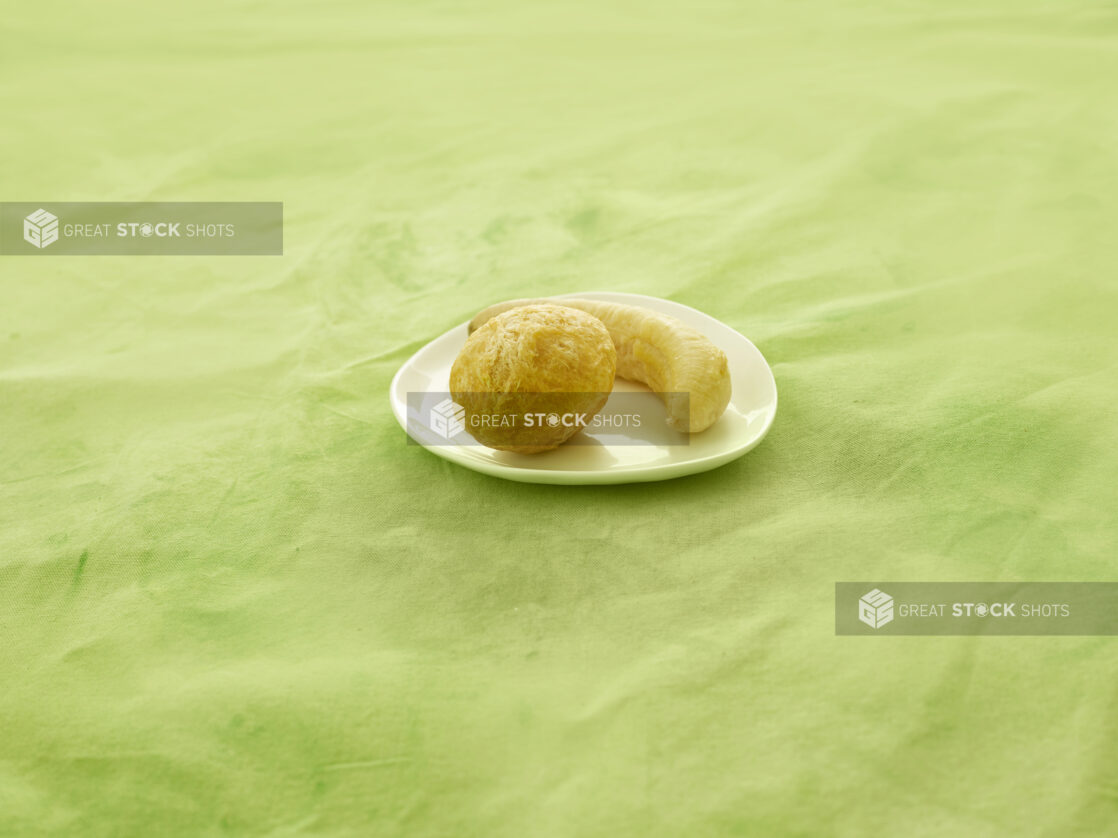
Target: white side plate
[(743, 425)]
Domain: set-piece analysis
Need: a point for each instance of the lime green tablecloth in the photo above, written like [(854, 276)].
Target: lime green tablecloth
[(234, 602)]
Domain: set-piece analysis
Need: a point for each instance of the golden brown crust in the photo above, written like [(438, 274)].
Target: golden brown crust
[(678, 363), (508, 365)]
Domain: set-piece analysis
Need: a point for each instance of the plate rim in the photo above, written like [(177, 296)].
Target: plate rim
[(628, 474)]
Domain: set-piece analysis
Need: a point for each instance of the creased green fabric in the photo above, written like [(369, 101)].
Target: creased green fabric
[(233, 601)]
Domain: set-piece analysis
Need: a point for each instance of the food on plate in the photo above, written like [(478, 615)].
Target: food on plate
[(531, 377), (678, 363)]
